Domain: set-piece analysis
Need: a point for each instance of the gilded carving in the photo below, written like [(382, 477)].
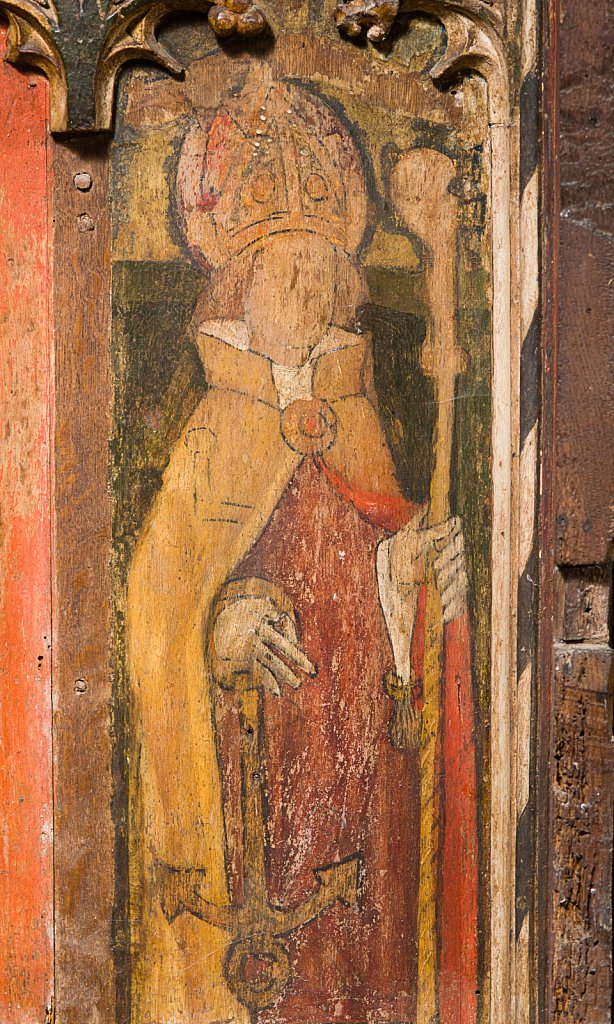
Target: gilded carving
[(376, 19), (31, 43)]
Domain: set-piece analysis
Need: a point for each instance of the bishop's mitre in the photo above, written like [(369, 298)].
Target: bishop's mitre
[(275, 158)]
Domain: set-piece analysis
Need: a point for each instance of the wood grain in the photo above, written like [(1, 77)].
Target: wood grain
[(582, 837), (280, 257), (550, 221), (583, 603), (577, 752), (86, 846), (585, 379), (585, 396), (25, 552), (84, 833)]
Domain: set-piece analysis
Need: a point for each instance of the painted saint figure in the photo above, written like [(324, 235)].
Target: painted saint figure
[(281, 560)]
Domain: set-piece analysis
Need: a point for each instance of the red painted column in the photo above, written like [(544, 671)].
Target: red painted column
[(26, 898)]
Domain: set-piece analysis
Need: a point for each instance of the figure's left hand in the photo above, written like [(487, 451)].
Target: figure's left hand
[(401, 568), (449, 567)]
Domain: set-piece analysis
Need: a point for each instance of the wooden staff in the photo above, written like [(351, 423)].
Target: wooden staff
[(419, 189)]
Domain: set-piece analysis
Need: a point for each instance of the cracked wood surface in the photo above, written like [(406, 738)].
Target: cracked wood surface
[(582, 752), (579, 968), (582, 843)]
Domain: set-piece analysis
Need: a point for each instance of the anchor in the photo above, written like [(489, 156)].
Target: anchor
[(256, 926)]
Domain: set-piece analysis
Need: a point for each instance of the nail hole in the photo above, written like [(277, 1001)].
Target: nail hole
[(85, 222)]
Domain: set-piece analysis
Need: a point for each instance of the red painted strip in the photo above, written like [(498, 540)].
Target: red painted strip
[(386, 511), (459, 883), (26, 964)]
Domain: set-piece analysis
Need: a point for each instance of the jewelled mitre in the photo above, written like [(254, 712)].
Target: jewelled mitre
[(275, 158)]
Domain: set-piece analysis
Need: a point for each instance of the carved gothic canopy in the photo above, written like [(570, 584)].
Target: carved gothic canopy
[(81, 50)]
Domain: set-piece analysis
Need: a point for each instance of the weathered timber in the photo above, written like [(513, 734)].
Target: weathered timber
[(25, 552), (585, 372), (580, 367), (84, 834), (583, 763), (339, 267), (575, 832)]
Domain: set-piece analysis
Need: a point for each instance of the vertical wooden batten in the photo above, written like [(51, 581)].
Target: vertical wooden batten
[(84, 867), (581, 518), (526, 246), (26, 940), (548, 333)]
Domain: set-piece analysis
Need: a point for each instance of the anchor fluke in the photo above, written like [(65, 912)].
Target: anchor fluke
[(345, 878), (337, 882), (179, 888), (260, 988)]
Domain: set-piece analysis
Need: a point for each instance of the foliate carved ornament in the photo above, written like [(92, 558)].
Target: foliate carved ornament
[(377, 19), (474, 37), (357, 16)]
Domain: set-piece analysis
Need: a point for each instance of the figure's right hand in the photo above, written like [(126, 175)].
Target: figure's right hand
[(257, 644)]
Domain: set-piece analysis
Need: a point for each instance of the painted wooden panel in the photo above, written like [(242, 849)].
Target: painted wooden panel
[(319, 831), (302, 484), (26, 904), (291, 291)]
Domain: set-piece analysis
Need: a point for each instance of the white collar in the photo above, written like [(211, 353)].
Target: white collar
[(235, 333), (291, 382)]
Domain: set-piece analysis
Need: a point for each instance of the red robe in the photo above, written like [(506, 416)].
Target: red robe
[(335, 786)]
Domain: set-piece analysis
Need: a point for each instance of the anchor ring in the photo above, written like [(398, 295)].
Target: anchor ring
[(257, 993)]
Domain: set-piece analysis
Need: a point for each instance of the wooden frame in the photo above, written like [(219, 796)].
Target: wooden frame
[(85, 859)]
